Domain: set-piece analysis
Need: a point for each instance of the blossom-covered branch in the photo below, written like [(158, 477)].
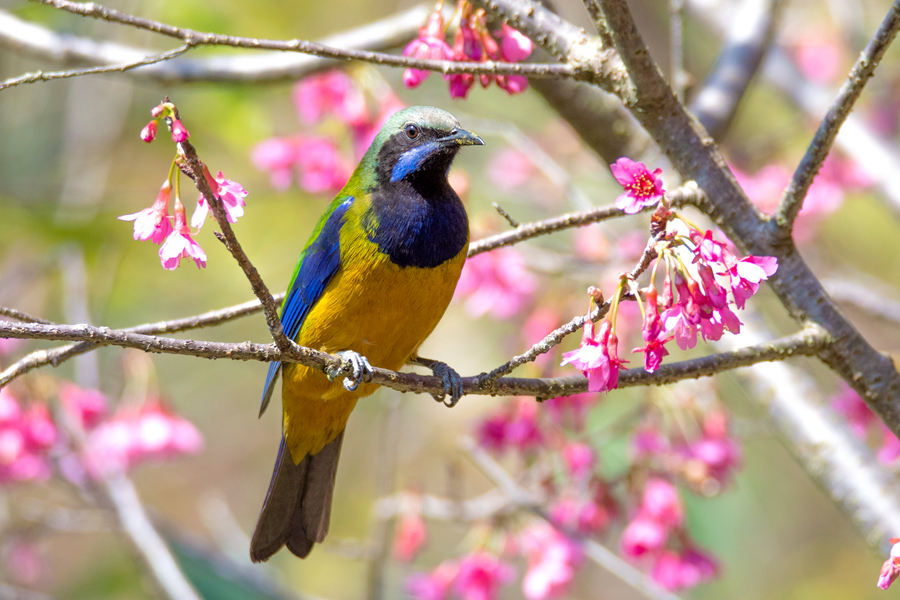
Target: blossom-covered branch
[(792, 200)]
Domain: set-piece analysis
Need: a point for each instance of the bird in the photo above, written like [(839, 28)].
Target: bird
[(371, 284)]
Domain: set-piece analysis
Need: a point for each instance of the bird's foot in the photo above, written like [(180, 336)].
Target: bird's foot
[(453, 383), (357, 369)]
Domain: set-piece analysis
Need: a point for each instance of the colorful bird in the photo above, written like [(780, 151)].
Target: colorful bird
[(371, 284)]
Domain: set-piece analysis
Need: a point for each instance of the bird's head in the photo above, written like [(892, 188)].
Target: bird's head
[(418, 143)]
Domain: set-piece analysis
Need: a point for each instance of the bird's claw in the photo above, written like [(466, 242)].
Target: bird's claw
[(360, 371), (453, 383)]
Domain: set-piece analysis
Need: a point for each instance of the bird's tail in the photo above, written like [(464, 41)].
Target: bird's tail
[(298, 504)]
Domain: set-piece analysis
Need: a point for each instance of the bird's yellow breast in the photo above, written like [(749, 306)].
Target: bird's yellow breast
[(373, 307)]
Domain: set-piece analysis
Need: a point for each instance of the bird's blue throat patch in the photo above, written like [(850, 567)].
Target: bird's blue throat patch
[(412, 159)]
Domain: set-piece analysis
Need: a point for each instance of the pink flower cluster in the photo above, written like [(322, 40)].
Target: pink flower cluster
[(864, 422), (165, 112), (154, 223), (597, 357), (496, 282), (316, 162), (476, 576), (659, 521), (553, 559), (473, 43), (26, 437), (515, 426)]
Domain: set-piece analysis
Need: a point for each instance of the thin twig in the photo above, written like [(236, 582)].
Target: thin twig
[(807, 342), (502, 212), (792, 200), (197, 38), (21, 316), (530, 502), (256, 283), (121, 68)]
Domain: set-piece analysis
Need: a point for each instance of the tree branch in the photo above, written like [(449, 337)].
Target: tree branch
[(792, 200), (807, 342), (197, 39), (121, 68)]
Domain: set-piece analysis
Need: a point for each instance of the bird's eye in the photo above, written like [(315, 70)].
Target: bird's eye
[(412, 132)]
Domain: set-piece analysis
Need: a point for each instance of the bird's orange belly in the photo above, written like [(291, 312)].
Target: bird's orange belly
[(372, 307)]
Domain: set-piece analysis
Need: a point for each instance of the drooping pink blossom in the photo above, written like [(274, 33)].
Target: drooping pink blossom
[(435, 585), (496, 282), (332, 92), (180, 244), (148, 133), (429, 44), (642, 187), (481, 575), (514, 45), (179, 131), (662, 502), (466, 47), (231, 194), (593, 358), (553, 560), (26, 436), (514, 426), (642, 536), (654, 334), (891, 567), (153, 223), (409, 536)]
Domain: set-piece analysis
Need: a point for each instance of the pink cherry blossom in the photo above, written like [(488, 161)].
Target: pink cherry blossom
[(153, 223), (410, 536), (26, 436), (435, 585), (553, 560), (429, 45), (148, 133), (88, 406), (662, 502), (683, 571), (329, 92), (514, 45), (584, 516), (654, 334), (593, 358), (496, 282), (321, 167), (642, 187), (819, 59), (481, 575), (180, 244), (580, 460), (514, 426), (648, 442), (891, 567), (231, 194), (277, 156), (854, 409), (179, 131), (642, 536)]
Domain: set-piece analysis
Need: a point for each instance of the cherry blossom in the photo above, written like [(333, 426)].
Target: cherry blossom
[(481, 575), (153, 223), (891, 567), (410, 536), (642, 187), (429, 44), (231, 194), (552, 559), (496, 283), (180, 244)]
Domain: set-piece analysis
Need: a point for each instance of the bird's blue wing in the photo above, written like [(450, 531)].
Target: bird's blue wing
[(318, 264)]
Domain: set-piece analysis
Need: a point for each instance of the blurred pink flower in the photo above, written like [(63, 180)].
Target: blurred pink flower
[(277, 156), (137, 434), (322, 169), (891, 567), (481, 575), (514, 46), (88, 406), (552, 562), (682, 571), (429, 44), (662, 502), (718, 456), (582, 516), (364, 133), (642, 188), (854, 409), (819, 59), (580, 460), (231, 194), (153, 223), (180, 244), (514, 426), (409, 536), (148, 133), (435, 585), (496, 282), (25, 438), (329, 92), (24, 561), (648, 442), (642, 536)]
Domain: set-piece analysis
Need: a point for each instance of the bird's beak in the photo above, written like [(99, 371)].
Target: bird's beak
[(461, 137)]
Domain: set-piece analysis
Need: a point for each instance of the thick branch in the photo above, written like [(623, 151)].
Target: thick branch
[(792, 200), (198, 38), (805, 343)]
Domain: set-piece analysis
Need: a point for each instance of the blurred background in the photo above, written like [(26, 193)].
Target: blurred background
[(71, 162)]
